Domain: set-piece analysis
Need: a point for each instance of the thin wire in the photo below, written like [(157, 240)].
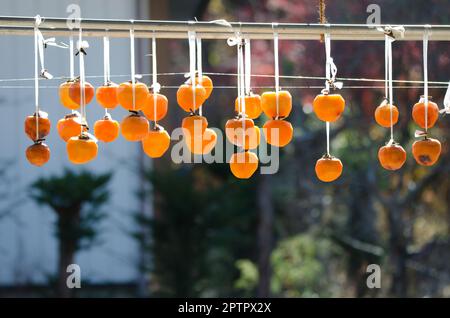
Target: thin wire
[(256, 87)]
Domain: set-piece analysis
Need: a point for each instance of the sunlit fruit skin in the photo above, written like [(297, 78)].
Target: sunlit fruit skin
[(44, 126), (328, 168), (185, 97), (134, 127), (38, 154), (392, 157), (156, 142), (125, 95), (107, 95), (162, 105), (204, 144), (64, 96), (418, 114), (206, 82), (194, 126), (75, 90), (243, 164), (69, 126), (383, 115), (252, 139), (252, 106), (269, 104), (81, 149), (106, 129), (278, 132), (237, 128), (328, 107), (426, 152)]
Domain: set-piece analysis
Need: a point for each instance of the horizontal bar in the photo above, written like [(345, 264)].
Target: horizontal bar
[(210, 30)]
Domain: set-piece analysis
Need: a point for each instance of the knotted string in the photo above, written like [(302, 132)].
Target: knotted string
[(199, 67), (276, 60), (330, 67), (248, 66), (191, 39), (425, 74), (155, 85), (133, 71)]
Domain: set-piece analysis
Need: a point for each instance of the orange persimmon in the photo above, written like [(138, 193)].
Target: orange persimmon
[(125, 95), (237, 128), (106, 129), (43, 124), (186, 96), (194, 125), (269, 104), (107, 95), (161, 106), (206, 82), (328, 107), (38, 154), (383, 115), (134, 127), (278, 132), (426, 151), (244, 164), (70, 126), (156, 142), (202, 144), (75, 92), (64, 96), (81, 149), (252, 105), (328, 168), (418, 114), (392, 157)]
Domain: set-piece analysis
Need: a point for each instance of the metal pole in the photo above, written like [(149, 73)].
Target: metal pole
[(210, 30)]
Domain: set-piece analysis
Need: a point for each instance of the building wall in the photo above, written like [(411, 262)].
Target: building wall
[(27, 244)]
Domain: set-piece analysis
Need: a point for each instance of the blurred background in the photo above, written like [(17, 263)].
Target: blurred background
[(144, 228)]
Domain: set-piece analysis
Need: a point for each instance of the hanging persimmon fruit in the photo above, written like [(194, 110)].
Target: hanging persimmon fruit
[(81, 149), (134, 127), (269, 104), (383, 114), (392, 156), (190, 99), (252, 105), (43, 126), (64, 96), (278, 132), (203, 144), (106, 129), (75, 90), (244, 164), (252, 139), (418, 113), (328, 107), (328, 168), (69, 126), (156, 142), (160, 106), (205, 82), (426, 151), (38, 153), (125, 95), (106, 95), (194, 125), (237, 128)]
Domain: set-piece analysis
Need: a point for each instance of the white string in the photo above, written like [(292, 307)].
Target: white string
[(133, 72), (327, 124), (241, 84), (425, 74), (248, 66), (277, 71), (391, 90), (106, 63), (191, 39), (386, 66), (71, 59), (36, 77), (155, 85), (199, 67), (328, 80), (82, 81)]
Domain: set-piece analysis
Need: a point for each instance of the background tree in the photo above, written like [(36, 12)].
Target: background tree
[(76, 198)]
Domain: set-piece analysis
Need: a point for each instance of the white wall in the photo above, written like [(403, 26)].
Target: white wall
[(27, 245)]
